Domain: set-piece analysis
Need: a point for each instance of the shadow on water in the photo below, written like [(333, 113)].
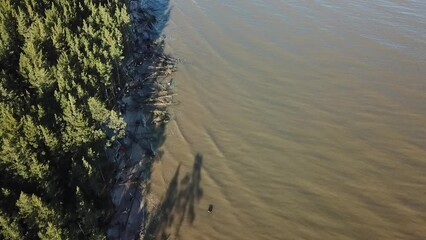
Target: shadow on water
[(178, 203)]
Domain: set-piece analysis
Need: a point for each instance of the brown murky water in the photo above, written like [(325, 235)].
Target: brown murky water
[(309, 118)]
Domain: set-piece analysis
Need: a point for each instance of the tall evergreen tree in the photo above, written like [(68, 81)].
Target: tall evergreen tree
[(59, 62)]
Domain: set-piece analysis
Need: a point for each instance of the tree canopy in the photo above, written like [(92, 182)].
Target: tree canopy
[(58, 71)]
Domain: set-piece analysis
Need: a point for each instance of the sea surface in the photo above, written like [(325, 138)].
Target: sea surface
[(296, 120)]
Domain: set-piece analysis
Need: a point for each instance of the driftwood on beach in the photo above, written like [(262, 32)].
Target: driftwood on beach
[(142, 101)]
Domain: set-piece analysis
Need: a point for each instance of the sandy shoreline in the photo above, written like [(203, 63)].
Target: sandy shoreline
[(142, 103)]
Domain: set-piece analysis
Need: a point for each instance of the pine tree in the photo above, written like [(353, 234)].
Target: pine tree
[(59, 61), (9, 228), (41, 220)]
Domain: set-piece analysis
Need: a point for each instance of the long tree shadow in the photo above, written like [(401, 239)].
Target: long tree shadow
[(177, 204)]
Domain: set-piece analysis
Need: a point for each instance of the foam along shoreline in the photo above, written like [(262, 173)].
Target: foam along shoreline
[(143, 104)]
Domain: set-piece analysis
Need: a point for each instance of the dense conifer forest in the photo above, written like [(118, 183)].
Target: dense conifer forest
[(59, 71)]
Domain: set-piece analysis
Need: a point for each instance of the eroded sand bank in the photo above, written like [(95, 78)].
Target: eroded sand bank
[(142, 103)]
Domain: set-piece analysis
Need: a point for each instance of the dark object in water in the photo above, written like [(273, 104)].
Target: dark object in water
[(210, 210), (123, 107)]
